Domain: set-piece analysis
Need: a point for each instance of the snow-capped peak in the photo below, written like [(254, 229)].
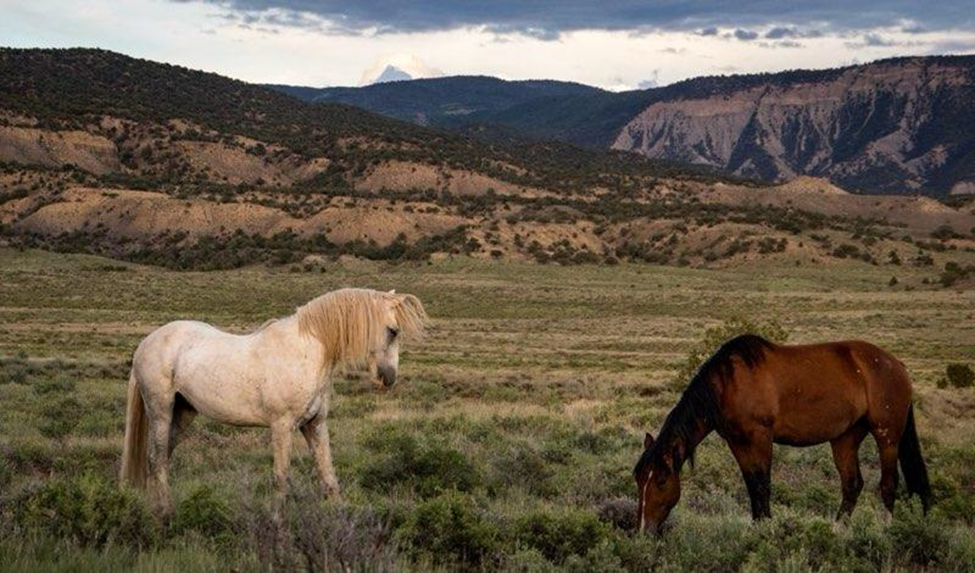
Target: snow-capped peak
[(396, 68)]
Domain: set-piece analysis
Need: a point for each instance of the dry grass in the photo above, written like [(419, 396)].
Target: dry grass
[(542, 378)]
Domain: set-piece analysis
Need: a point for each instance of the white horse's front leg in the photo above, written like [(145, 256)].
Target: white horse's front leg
[(281, 442), (316, 433)]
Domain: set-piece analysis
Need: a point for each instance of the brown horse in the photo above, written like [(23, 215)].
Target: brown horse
[(754, 393)]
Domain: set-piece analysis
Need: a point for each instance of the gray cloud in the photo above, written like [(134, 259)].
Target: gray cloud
[(651, 82), (782, 32), (745, 34), (547, 19), (953, 47), (779, 32), (875, 40)]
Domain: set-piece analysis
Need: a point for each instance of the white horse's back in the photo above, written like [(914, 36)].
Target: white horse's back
[(231, 378)]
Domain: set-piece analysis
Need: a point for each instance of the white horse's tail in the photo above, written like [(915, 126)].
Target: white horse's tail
[(135, 461)]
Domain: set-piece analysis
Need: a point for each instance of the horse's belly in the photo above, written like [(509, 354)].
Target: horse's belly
[(813, 422), (220, 389), (223, 406)]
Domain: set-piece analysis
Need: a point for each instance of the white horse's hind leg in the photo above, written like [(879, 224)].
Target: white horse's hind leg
[(161, 416), (281, 433), (183, 414), (316, 434)]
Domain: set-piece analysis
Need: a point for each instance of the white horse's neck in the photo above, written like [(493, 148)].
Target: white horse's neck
[(301, 349), (301, 346)]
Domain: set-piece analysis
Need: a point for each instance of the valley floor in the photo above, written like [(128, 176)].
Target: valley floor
[(509, 441)]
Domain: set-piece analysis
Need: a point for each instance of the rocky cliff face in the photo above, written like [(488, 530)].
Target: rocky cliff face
[(895, 126)]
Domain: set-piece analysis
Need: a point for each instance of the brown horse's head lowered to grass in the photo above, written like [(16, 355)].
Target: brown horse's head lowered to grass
[(755, 393)]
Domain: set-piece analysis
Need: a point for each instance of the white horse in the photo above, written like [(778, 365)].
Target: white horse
[(276, 377)]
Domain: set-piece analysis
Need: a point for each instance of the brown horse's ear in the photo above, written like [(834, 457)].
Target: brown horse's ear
[(647, 441)]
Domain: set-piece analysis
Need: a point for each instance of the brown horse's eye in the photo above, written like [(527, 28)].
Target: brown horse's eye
[(392, 332)]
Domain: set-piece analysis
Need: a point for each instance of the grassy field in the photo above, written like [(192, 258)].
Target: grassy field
[(508, 443)]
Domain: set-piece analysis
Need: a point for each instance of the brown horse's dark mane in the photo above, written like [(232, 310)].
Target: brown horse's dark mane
[(698, 405)]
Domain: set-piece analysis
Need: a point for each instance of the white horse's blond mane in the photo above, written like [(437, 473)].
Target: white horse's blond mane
[(350, 323)]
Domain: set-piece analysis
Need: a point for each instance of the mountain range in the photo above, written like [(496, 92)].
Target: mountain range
[(150, 162), (896, 126), (446, 101)]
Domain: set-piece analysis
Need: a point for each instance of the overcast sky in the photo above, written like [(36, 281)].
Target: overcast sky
[(612, 44)]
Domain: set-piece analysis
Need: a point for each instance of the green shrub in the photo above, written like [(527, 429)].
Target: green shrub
[(61, 384), (921, 539), (102, 422), (619, 512), (790, 539), (715, 336), (523, 466), (865, 538), (560, 533), (88, 510), (319, 535), (60, 419), (427, 470), (638, 552), (14, 370), (6, 473), (718, 543), (600, 558), (204, 513), (450, 528), (959, 376), (954, 272), (528, 561)]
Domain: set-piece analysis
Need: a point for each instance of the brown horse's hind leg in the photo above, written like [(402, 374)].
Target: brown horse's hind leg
[(888, 473), (888, 436), (846, 450), (754, 457)]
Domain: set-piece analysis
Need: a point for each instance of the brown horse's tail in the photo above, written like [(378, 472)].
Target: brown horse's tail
[(135, 461), (912, 464)]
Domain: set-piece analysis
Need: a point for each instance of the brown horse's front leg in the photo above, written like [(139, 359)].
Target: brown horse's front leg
[(754, 457)]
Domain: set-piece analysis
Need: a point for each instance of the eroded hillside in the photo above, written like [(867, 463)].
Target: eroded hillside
[(159, 164), (897, 126)]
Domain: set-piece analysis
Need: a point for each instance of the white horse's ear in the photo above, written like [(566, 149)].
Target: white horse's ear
[(393, 291)]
